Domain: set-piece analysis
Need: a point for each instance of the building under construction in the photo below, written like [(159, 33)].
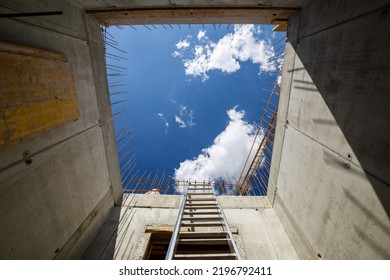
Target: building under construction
[(316, 188)]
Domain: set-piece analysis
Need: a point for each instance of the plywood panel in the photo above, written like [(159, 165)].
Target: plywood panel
[(37, 92)]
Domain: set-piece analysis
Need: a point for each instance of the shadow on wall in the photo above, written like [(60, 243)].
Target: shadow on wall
[(103, 246), (351, 72), (362, 231)]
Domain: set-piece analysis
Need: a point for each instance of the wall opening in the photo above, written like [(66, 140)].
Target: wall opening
[(158, 244), (157, 238), (198, 112)]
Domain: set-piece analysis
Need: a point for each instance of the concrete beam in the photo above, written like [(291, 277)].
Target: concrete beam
[(192, 15), (97, 50), (122, 4)]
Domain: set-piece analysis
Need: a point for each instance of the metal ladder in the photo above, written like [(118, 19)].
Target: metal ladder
[(201, 231)]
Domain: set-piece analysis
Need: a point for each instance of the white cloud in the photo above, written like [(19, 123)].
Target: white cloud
[(185, 118), (181, 123), (190, 121), (176, 54), (279, 79), (182, 109), (226, 55), (201, 34), (183, 44), (199, 65), (164, 119), (226, 155)]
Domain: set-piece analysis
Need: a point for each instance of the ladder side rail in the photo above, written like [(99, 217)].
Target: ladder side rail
[(232, 243), (175, 234)]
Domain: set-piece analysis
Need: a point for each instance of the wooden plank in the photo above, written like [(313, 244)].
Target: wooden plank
[(281, 25), (159, 229), (201, 218), (209, 234), (37, 92), (200, 193), (195, 206), (204, 241), (200, 199), (202, 213), (226, 256), (186, 15), (203, 224)]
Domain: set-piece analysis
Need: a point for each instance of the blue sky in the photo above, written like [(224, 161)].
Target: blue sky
[(195, 94)]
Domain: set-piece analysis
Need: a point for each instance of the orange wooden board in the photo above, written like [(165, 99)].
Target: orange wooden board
[(281, 25), (37, 92)]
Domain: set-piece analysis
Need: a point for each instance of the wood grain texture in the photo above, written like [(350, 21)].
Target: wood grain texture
[(37, 92), (281, 25), (213, 15)]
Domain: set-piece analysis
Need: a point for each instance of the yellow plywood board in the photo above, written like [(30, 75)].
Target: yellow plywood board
[(281, 25), (37, 92)]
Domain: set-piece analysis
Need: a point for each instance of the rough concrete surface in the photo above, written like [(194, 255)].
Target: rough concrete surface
[(260, 234), (47, 208), (331, 180)]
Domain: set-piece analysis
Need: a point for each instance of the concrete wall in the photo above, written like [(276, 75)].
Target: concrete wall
[(329, 181), (260, 234), (54, 207)]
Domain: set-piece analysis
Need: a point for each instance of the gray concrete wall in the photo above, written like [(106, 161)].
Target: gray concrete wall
[(260, 234), (54, 207), (329, 181)]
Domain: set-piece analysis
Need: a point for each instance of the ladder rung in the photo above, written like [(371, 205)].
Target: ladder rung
[(204, 241), (200, 189), (201, 231), (201, 219), (202, 224), (227, 256), (195, 205), (202, 213), (197, 234), (201, 193), (200, 199), (205, 207)]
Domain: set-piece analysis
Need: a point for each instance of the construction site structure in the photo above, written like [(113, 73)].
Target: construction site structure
[(324, 190)]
